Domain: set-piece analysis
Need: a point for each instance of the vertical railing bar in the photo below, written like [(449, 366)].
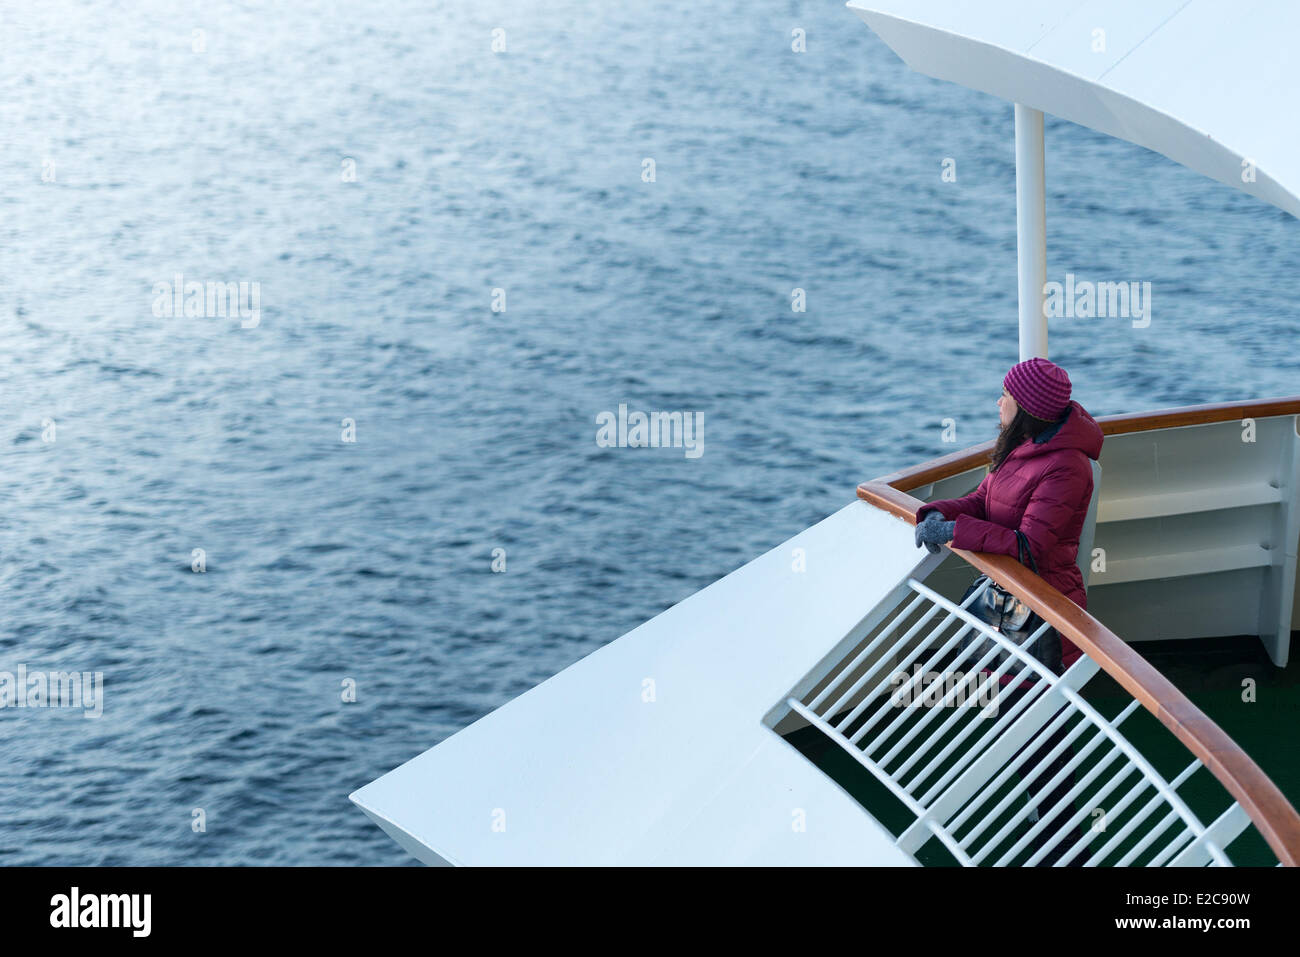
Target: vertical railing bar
[(1137, 757), (1106, 849), (915, 679), (943, 728), (990, 787), (1177, 844), (1052, 813), (901, 641), (886, 698), (1079, 816), (934, 712), (1089, 835), (1160, 827), (1070, 795), (815, 720), (862, 655), (978, 799), (938, 830), (1023, 786), (1041, 669), (875, 692), (892, 652), (999, 728)]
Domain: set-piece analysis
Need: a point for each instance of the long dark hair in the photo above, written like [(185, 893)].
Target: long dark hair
[(1022, 426)]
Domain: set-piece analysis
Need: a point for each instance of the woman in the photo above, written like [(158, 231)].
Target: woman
[(1040, 482)]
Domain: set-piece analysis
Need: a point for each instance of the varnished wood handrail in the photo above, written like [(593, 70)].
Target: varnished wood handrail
[(955, 463), (1258, 796)]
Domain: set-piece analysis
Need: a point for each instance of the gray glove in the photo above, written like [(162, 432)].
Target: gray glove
[(934, 531)]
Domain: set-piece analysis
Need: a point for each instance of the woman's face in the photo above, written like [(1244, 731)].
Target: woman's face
[(1007, 409)]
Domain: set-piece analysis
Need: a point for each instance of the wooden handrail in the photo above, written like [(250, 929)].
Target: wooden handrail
[(1258, 796), (955, 463)]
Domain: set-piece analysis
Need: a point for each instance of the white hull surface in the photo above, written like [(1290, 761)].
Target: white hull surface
[(653, 749)]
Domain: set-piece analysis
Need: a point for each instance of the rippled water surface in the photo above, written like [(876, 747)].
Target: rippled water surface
[(129, 156)]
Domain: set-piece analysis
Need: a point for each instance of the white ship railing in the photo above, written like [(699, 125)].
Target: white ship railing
[(949, 762)]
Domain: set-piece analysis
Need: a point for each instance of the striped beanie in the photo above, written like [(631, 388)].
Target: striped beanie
[(1039, 387)]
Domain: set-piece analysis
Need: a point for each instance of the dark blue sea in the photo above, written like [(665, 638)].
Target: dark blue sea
[(384, 178)]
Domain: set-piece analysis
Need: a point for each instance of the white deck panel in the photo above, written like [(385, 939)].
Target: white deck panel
[(587, 772)]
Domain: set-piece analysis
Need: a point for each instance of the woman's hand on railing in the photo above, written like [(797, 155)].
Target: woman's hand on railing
[(933, 532)]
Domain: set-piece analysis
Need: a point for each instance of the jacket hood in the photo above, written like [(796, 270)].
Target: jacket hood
[(1077, 430)]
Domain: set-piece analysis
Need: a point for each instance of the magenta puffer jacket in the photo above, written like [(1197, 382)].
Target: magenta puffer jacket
[(1043, 488)]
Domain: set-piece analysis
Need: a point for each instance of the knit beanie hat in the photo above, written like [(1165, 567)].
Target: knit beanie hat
[(1039, 387)]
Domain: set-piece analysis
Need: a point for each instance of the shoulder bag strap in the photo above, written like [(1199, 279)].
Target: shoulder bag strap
[(1022, 547)]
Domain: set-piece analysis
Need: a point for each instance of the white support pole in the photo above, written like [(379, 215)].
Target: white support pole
[(1031, 231)]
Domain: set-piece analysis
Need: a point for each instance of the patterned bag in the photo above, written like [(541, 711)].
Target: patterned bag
[(1009, 615)]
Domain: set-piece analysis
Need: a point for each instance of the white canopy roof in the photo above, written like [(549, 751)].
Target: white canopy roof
[(1207, 83)]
